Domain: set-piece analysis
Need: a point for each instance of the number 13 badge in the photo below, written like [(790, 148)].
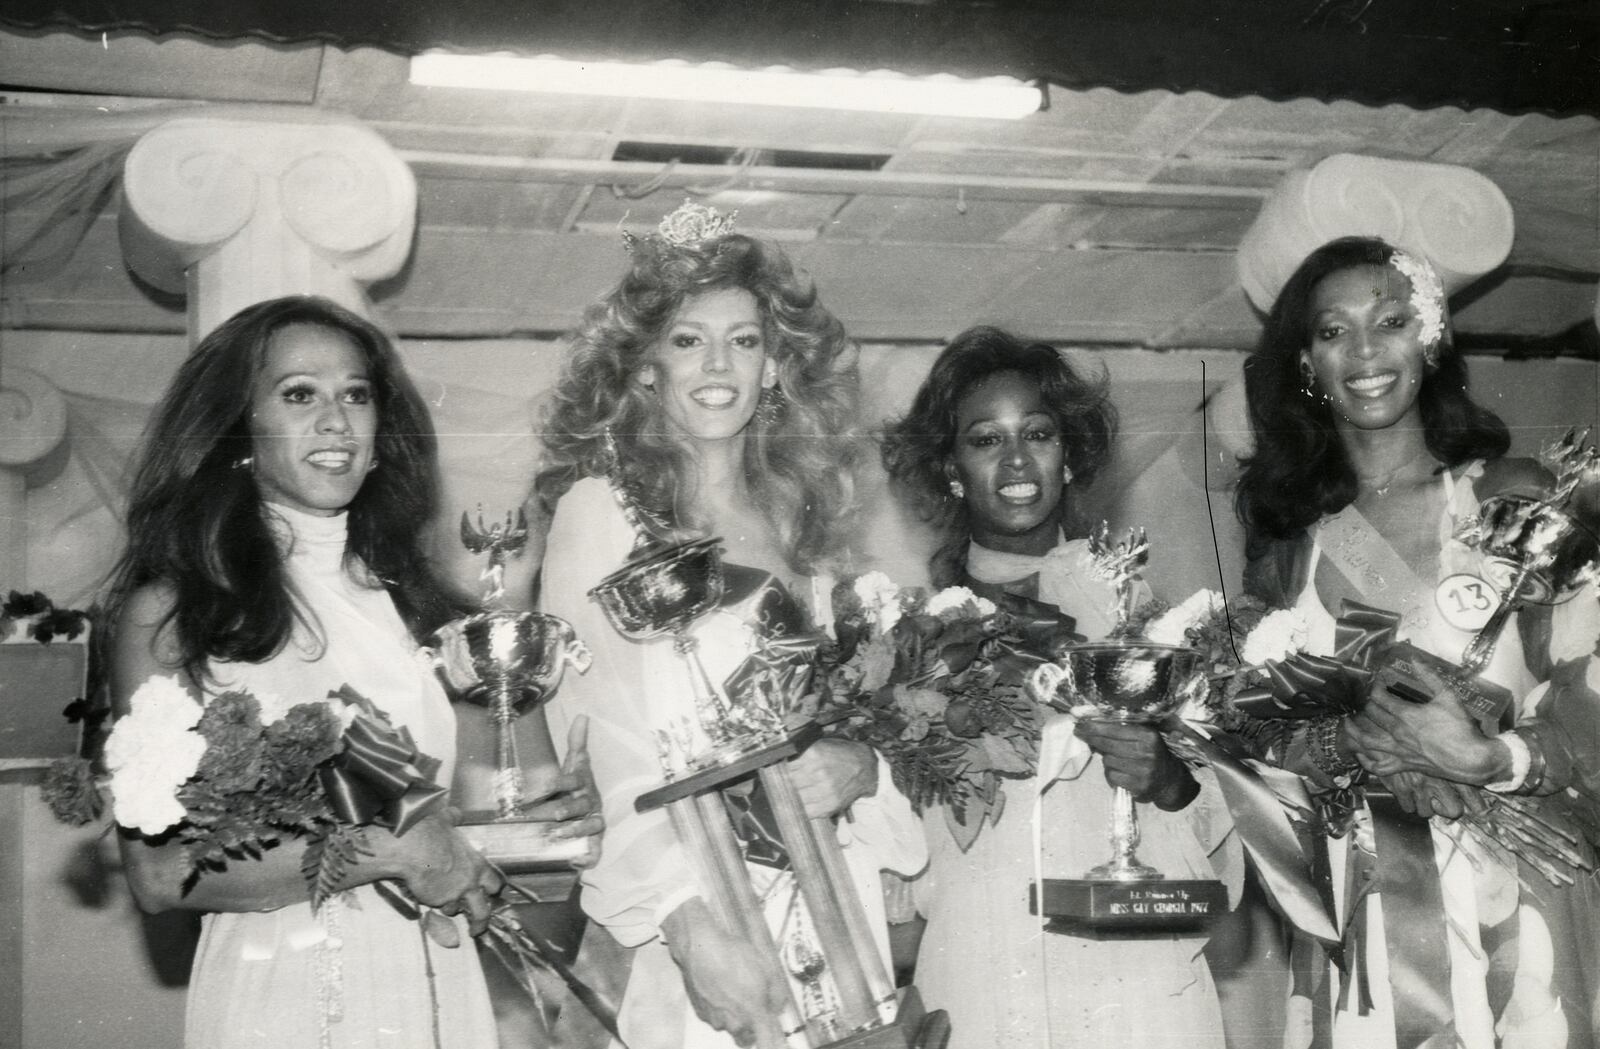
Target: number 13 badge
[(1466, 601)]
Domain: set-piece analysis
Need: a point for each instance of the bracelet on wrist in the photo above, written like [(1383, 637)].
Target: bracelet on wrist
[(1521, 764), (1322, 743)]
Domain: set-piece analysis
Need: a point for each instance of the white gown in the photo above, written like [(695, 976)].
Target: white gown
[(1479, 890), (632, 689), (355, 976)]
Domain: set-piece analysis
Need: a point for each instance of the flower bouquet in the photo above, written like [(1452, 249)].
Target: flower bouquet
[(245, 772), (935, 685), (1275, 697)]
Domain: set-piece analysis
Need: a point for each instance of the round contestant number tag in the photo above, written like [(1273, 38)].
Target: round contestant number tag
[(1466, 601)]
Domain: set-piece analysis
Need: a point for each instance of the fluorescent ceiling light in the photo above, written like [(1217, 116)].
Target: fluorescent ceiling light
[(885, 92)]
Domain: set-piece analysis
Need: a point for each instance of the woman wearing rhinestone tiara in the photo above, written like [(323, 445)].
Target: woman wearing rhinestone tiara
[(714, 392), (1369, 455), (997, 439)]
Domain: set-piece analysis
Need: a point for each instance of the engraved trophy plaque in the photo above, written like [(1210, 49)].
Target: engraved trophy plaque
[(840, 991), (1133, 681), (509, 663)]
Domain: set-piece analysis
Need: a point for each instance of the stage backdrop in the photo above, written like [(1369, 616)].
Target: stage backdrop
[(97, 972)]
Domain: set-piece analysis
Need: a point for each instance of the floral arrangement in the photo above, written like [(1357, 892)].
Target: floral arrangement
[(240, 774), (1263, 686), (1237, 639), (38, 617), (933, 684)]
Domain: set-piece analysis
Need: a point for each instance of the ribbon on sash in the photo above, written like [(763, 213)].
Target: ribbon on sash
[(380, 776), (1413, 925), (1275, 820)]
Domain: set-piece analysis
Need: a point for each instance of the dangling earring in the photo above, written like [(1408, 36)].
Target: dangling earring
[(1066, 474), (244, 462), (769, 407), (958, 489)]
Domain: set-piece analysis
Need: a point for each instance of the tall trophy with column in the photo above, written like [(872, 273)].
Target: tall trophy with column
[(1130, 680), (510, 662), (841, 993)]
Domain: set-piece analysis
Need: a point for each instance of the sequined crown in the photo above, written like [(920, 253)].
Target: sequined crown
[(690, 225)]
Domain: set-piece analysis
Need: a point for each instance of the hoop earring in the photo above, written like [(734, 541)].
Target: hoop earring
[(958, 489), (769, 407)]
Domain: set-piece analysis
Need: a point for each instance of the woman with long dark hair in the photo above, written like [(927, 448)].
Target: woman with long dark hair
[(1370, 458), (714, 393), (998, 439), (276, 545)]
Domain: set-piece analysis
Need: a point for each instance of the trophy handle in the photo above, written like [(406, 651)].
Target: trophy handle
[(1043, 682), (577, 655)]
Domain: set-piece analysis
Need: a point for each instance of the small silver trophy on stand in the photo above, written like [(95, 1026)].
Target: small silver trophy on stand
[(1540, 553), (509, 663), (840, 990), (1133, 681)]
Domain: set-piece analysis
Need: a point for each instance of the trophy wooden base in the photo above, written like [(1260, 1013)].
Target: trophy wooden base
[(1158, 904), (1400, 674), (523, 846), (913, 1028)]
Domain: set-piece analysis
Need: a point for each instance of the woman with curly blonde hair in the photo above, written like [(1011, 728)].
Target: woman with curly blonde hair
[(714, 393), (797, 449)]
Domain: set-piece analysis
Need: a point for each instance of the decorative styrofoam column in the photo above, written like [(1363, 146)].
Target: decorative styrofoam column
[(1456, 218), (33, 420), (235, 210)]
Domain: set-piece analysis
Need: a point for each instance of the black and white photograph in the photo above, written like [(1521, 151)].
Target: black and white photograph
[(800, 524)]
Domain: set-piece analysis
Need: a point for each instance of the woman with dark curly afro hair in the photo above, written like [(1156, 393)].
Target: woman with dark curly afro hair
[(998, 438)]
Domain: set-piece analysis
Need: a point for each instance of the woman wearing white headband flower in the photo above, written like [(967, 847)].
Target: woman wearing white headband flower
[(715, 393), (1369, 457), (997, 439)]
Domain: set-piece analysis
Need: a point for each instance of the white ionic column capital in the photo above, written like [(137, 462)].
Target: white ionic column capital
[(236, 210), (33, 420)]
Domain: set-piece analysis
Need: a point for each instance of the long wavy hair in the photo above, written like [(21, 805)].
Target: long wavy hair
[(797, 461), (1299, 470), (918, 449), (196, 520)]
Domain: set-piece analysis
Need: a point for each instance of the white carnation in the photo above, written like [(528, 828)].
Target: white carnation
[(1170, 627), (880, 598), (952, 598), (273, 707), (1279, 635), (151, 752)]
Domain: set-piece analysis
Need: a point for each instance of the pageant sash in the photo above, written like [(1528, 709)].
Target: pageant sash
[(1373, 566)]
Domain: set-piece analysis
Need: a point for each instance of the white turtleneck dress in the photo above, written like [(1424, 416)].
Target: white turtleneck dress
[(355, 976)]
